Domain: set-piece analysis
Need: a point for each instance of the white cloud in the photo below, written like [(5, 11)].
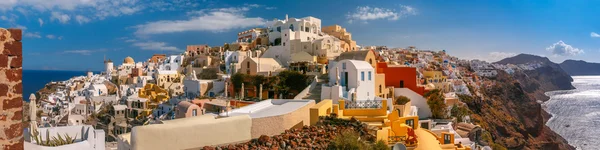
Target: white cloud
[(497, 56), (91, 9), (214, 20), (80, 52), (366, 13), (594, 35), (41, 22), (81, 19), (560, 48), (62, 18), (150, 45), (33, 35), (50, 36), (59, 38), (270, 8)]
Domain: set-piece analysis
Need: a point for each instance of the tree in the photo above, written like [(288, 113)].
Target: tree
[(237, 80), (436, 103), (257, 80), (291, 81), (401, 100), (459, 112)]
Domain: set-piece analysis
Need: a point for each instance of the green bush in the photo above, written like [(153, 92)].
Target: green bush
[(401, 100), (347, 140), (497, 146), (380, 145)]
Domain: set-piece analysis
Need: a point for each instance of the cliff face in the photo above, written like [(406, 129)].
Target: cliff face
[(509, 109), (579, 67)]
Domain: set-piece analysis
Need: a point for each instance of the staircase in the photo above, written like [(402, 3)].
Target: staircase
[(315, 93)]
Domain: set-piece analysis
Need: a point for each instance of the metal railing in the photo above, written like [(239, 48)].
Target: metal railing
[(364, 104)]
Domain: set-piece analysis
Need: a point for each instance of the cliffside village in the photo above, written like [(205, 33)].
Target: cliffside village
[(193, 100)]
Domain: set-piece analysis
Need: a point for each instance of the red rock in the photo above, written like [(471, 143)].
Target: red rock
[(14, 48), (14, 75), (14, 146), (13, 131), (3, 60), (16, 34), (13, 103), (15, 62), (3, 89), (18, 115)]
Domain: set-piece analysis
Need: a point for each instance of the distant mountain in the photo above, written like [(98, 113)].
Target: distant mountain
[(580, 67), (549, 77), (524, 59)]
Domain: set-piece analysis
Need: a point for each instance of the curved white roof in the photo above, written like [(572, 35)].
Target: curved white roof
[(359, 64)]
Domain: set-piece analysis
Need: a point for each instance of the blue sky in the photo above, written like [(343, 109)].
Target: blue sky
[(77, 34)]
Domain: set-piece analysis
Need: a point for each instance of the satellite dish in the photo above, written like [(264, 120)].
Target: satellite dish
[(399, 146)]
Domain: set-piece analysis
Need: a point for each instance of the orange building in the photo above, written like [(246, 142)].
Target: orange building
[(401, 77), (157, 57)]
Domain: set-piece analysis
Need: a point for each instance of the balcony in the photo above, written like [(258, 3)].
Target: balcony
[(364, 104)]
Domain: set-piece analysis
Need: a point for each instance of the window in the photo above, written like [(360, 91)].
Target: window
[(343, 65), (369, 75), (283, 43), (370, 61), (379, 88), (362, 76), (278, 29), (247, 64), (195, 112), (292, 27)]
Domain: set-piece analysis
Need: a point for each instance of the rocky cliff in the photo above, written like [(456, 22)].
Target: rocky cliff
[(580, 67), (510, 110)]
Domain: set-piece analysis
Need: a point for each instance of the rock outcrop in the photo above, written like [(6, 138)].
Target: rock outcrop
[(308, 137), (510, 109)]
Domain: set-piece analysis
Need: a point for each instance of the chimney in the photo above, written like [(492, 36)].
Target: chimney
[(286, 17)]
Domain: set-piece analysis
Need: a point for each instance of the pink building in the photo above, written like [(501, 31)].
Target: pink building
[(186, 109)]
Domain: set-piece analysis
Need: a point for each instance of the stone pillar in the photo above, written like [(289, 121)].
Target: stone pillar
[(226, 86), (11, 89), (242, 92), (260, 92)]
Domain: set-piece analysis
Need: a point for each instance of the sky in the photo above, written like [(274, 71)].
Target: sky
[(80, 34)]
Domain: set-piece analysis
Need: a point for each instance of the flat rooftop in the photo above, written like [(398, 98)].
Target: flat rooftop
[(269, 108)]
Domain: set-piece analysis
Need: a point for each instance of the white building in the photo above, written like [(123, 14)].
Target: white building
[(351, 80), (97, 90), (232, 60), (94, 139), (171, 63), (294, 35)]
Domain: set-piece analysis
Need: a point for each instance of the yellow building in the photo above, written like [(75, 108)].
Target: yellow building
[(438, 79), (337, 31), (148, 99), (391, 128)]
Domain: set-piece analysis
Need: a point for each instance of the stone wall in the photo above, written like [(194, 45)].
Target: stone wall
[(11, 89)]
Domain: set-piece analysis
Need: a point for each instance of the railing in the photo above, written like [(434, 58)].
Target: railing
[(306, 90), (396, 139), (367, 104)]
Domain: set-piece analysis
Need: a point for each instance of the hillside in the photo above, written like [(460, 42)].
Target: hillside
[(509, 109), (580, 67), (549, 77)]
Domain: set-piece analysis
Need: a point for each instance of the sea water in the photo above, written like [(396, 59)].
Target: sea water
[(34, 80), (576, 113)]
